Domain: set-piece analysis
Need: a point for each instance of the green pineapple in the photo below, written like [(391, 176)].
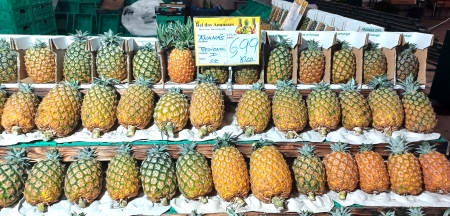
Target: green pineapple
[(3, 96), (12, 176), (407, 62), (305, 24), (219, 73), (77, 60), (246, 74), (344, 64), (111, 59), (146, 63), (309, 172), (313, 25), (280, 62), (8, 62), (374, 62)]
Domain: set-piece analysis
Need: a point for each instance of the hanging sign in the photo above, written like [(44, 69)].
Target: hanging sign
[(226, 41)]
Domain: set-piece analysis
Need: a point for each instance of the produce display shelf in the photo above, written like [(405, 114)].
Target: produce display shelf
[(106, 151)]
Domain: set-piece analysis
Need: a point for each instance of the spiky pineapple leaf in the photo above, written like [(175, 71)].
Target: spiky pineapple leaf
[(26, 88), (261, 143), (147, 47), (365, 147), (398, 145), (142, 81), (53, 155), (78, 214), (351, 85), (285, 84), (343, 211), (175, 90), (408, 48), (257, 86), (389, 213), (339, 147), (225, 141), (2, 89), (320, 86), (17, 156), (305, 213), (409, 85), (344, 45), (73, 83), (80, 36), (38, 44), (85, 153), (312, 45), (194, 213), (425, 148), (381, 81), (124, 148), (105, 81), (371, 46), (206, 79), (4, 45), (110, 39), (307, 150), (282, 42), (186, 148), (166, 35), (415, 211), (160, 150)]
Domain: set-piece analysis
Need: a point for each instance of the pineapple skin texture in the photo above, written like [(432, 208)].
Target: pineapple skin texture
[(60, 110), (387, 109), (174, 108), (44, 183), (77, 63), (148, 65), (135, 107), (436, 172), (254, 110), (83, 180), (122, 177), (99, 108), (12, 179), (8, 66), (111, 62), (355, 110), (41, 65), (20, 110), (289, 111), (343, 67), (323, 109), (341, 171), (419, 113), (309, 175), (220, 74), (407, 63), (245, 75), (158, 178), (279, 66), (194, 175), (181, 66), (373, 174), (207, 106), (374, 64), (312, 66), (2, 104), (405, 174), (269, 174), (230, 173)]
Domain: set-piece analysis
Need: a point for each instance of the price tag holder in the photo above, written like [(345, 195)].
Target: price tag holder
[(227, 41)]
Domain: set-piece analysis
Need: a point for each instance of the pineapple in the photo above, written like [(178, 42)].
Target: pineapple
[(207, 106), (373, 174), (40, 63), (253, 110), (135, 108), (311, 63), (288, 109), (341, 170), (59, 112), (19, 110), (3, 97), (229, 171), (305, 24), (404, 168), (12, 176), (435, 168), (171, 112), (83, 182), (219, 73), (146, 63), (270, 176), (77, 60), (356, 113), (342, 211), (193, 174), (419, 114), (415, 211), (324, 111), (385, 104), (122, 176), (8, 62), (45, 181), (309, 172), (306, 213), (98, 112), (280, 62), (407, 62), (246, 74), (389, 213), (158, 176), (344, 64), (313, 25), (111, 60), (374, 62)]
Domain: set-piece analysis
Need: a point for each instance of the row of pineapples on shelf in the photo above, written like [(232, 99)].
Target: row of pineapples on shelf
[(60, 111), (268, 177)]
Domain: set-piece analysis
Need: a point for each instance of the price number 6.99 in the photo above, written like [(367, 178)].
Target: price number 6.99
[(242, 46)]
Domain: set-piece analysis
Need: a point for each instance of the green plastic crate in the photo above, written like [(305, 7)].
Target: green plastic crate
[(45, 25), (39, 2), (43, 11), (12, 4), (64, 23), (88, 8), (50, 31), (163, 20), (26, 29), (68, 7), (16, 16), (84, 22), (108, 21)]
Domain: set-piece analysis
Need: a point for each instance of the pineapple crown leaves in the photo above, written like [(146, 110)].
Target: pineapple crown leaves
[(142, 81), (340, 147), (85, 153), (4, 44), (186, 148), (307, 150), (344, 45), (389, 213), (257, 86), (124, 148), (166, 35), (105, 81), (25, 87), (305, 213), (39, 44), (194, 213), (231, 210), (2, 89), (365, 147), (398, 145), (80, 36), (17, 156), (381, 81), (159, 150), (408, 48), (351, 85), (283, 42), (409, 85), (425, 148), (371, 46), (147, 47), (261, 143), (110, 39), (185, 35), (205, 79), (225, 141), (78, 214), (73, 83), (341, 212), (176, 90), (312, 45), (285, 84), (321, 86), (53, 155), (415, 211)]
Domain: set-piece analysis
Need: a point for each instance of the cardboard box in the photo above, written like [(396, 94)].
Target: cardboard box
[(370, 28), (133, 47), (328, 20), (295, 37), (320, 20), (9, 39), (326, 40), (312, 13), (353, 25), (357, 40), (165, 54), (339, 23)]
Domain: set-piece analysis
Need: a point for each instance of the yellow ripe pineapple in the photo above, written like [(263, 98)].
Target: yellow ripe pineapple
[(8, 62), (373, 174), (171, 112), (435, 168), (77, 60), (219, 73), (83, 182), (374, 62), (122, 176), (246, 74), (3, 97), (19, 110), (344, 64), (59, 112), (229, 171), (404, 168), (40, 63), (280, 62), (311, 63), (254, 111), (98, 112), (45, 181), (207, 106), (111, 60), (135, 108), (341, 170), (270, 176), (147, 63), (12, 176)]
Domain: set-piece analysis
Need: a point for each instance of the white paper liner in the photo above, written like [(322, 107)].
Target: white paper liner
[(230, 125)]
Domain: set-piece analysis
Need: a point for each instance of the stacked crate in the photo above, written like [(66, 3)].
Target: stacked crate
[(74, 15), (32, 17)]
